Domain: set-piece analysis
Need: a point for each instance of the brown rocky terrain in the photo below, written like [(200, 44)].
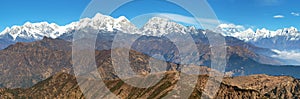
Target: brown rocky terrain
[(63, 85), (24, 64), (29, 68)]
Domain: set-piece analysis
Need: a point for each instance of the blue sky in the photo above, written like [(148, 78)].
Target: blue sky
[(17, 12), (270, 14), (258, 13)]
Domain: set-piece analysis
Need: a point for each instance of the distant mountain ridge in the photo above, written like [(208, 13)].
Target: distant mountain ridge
[(36, 31), (108, 26), (24, 64), (281, 39), (251, 35), (48, 52)]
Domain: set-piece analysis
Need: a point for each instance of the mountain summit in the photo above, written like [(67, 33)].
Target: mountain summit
[(157, 26), (36, 31), (281, 39), (250, 35)]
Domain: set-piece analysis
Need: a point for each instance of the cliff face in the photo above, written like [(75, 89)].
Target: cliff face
[(63, 85), (25, 64), (283, 87), (29, 66)]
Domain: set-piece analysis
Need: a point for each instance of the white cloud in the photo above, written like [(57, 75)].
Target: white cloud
[(232, 26), (206, 22), (295, 14), (292, 57), (278, 16)]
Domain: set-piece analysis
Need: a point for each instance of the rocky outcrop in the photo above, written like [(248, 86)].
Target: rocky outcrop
[(282, 87), (25, 64), (63, 85)]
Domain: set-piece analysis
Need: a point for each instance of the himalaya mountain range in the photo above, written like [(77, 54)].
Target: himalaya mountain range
[(33, 56), (281, 39), (280, 42), (246, 44)]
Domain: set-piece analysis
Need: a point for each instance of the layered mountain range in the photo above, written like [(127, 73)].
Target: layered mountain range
[(281, 39), (36, 31), (32, 53), (106, 25), (63, 85), (24, 64), (285, 39), (43, 69)]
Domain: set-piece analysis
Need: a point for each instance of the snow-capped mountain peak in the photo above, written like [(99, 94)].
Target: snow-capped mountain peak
[(124, 25), (108, 23), (281, 39), (157, 26), (249, 35), (31, 31), (122, 19), (289, 30), (229, 29), (36, 31)]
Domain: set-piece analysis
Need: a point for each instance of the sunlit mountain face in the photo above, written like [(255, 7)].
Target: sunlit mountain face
[(284, 41), (153, 40), (259, 40), (275, 43)]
